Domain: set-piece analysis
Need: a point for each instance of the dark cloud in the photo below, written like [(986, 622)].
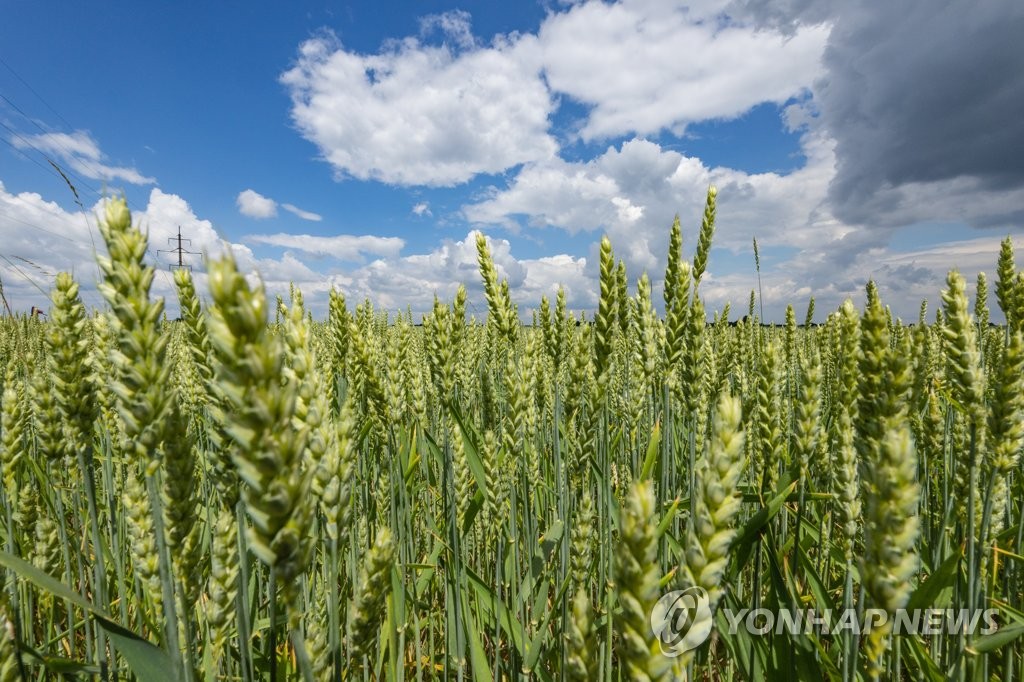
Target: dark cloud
[(916, 93), (907, 275), (929, 93)]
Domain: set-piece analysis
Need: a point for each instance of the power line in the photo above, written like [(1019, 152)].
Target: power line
[(22, 152), (33, 91), (64, 175), (61, 171), (43, 271), (30, 280), (86, 292), (7, 216), (68, 152), (85, 216), (4, 298), (180, 251), (23, 114), (90, 164)]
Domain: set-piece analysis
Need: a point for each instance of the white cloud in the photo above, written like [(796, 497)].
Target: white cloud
[(633, 192), (164, 214), (574, 196), (44, 233), (345, 247), (394, 283), (649, 66), (545, 275), (305, 215), (56, 240), (454, 25), (417, 114), (279, 275), (420, 114), (82, 154), (255, 205), (422, 209), (52, 239)]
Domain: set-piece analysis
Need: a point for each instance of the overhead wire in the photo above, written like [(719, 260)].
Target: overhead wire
[(22, 152), (37, 227), (33, 91), (64, 173), (67, 153), (22, 273), (90, 293)]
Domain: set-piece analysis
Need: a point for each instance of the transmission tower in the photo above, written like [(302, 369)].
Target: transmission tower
[(180, 250)]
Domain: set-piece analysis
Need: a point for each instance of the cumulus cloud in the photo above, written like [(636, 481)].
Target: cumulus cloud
[(255, 205), (42, 232), (82, 154), (455, 26), (904, 116), (165, 213), (419, 114), (643, 67), (50, 239), (878, 157), (40, 238), (345, 247), (633, 191), (305, 215), (413, 280), (57, 240)]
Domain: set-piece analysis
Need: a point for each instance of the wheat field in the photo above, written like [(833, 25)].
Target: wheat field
[(246, 493)]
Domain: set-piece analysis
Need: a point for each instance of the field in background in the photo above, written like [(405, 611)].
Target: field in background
[(249, 494)]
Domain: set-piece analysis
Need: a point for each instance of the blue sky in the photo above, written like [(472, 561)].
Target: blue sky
[(360, 144)]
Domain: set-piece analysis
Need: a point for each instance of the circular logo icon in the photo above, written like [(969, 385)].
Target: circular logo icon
[(681, 620)]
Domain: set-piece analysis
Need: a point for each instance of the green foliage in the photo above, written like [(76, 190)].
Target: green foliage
[(363, 497)]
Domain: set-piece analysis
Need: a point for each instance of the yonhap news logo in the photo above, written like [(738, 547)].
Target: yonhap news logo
[(681, 620), (924, 622)]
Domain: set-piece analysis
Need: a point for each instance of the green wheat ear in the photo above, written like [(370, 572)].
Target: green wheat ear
[(68, 341), (716, 502), (366, 610), (581, 640), (198, 340), (12, 431), (637, 583), (500, 313), (891, 528), (707, 231), (1007, 290), (267, 445), (223, 583), (9, 665), (1005, 427), (142, 377), (966, 377)]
